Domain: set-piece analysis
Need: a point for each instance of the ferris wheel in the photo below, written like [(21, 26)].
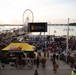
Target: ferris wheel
[(27, 16)]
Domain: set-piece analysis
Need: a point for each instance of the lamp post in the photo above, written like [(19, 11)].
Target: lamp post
[(67, 48)]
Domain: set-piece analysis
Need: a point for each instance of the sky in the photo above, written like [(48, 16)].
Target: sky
[(51, 11)]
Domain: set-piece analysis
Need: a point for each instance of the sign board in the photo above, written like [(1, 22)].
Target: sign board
[(37, 27)]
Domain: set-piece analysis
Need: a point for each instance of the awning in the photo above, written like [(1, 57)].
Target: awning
[(19, 47)]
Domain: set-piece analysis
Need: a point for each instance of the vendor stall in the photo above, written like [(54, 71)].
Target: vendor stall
[(15, 50)]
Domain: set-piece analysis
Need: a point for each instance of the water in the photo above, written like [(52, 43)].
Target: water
[(60, 30), (51, 30)]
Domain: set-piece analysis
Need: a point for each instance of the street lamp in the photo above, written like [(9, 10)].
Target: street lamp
[(67, 49)]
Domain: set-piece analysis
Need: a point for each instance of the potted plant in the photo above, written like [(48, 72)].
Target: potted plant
[(43, 61)]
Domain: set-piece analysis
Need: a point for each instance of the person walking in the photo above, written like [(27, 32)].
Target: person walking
[(54, 67), (36, 72)]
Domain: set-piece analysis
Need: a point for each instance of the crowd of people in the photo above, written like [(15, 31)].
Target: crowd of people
[(41, 42), (38, 40)]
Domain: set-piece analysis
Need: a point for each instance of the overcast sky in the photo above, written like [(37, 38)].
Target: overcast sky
[(53, 11)]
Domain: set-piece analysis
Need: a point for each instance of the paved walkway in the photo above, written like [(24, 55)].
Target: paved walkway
[(31, 72), (64, 69), (62, 65)]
